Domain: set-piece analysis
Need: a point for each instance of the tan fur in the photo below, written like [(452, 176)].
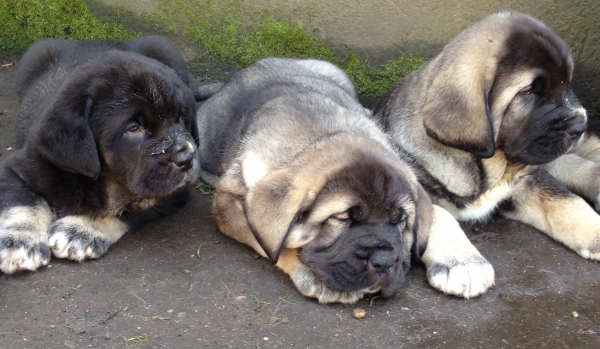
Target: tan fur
[(580, 170), (280, 185), (484, 120)]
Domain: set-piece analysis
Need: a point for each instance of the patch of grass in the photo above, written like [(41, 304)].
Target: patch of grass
[(161, 318), (138, 339), (594, 112), (229, 36), (27, 21), (205, 189), (371, 82)]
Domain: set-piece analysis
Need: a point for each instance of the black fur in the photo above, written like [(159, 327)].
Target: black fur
[(105, 129)]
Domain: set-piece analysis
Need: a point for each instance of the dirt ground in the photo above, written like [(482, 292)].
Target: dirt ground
[(179, 283)]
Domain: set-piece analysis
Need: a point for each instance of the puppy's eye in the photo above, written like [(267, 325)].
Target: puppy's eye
[(397, 217), (343, 217), (526, 91), (133, 129)]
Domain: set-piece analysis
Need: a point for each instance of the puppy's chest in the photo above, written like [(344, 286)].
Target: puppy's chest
[(131, 207), (120, 201)]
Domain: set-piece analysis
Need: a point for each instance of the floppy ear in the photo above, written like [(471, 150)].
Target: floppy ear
[(456, 111), (422, 225), (65, 137), (272, 206)]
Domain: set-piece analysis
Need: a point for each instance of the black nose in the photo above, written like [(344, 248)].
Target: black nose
[(381, 261), (184, 156)]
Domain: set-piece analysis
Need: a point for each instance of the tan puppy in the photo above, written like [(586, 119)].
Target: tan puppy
[(479, 120), (308, 180)]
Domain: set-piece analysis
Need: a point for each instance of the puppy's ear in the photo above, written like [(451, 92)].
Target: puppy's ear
[(422, 225), (272, 206), (192, 112), (456, 111), (163, 50), (65, 137)]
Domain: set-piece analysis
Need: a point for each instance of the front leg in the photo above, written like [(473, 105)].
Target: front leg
[(578, 174), (454, 265), (309, 285), (24, 237), (84, 237), (24, 222), (538, 199)]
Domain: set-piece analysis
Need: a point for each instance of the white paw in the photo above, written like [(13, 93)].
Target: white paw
[(454, 266), (19, 255), (465, 279), (308, 285), (80, 237), (593, 254), (24, 239)]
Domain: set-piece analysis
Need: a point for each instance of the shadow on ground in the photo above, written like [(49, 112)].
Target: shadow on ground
[(178, 283)]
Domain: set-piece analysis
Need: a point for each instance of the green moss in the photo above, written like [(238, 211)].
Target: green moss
[(222, 29), (26, 21), (594, 112), (229, 36), (372, 83)]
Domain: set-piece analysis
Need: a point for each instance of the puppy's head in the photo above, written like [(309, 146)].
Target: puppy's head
[(505, 84), (125, 117), (542, 118), (353, 217)]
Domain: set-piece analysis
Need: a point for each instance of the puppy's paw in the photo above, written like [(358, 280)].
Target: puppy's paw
[(593, 253), (24, 238), (80, 237), (454, 266), (467, 278), (308, 285), (19, 252)]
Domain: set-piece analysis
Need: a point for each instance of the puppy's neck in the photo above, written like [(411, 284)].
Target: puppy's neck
[(120, 200)]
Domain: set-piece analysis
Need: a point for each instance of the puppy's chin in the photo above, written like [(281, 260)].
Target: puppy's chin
[(348, 266)]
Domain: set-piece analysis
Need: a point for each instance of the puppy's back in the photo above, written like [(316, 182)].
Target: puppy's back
[(239, 106)]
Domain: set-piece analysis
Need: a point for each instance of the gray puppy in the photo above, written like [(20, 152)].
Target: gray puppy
[(478, 122), (309, 181)]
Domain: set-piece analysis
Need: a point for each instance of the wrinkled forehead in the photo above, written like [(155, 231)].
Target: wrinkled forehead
[(375, 189)]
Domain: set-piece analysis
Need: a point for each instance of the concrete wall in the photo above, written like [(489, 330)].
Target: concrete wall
[(384, 28)]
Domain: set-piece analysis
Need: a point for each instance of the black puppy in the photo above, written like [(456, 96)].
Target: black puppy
[(106, 139)]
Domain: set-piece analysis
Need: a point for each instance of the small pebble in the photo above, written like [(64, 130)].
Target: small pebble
[(359, 313), (52, 326), (107, 336), (574, 314)]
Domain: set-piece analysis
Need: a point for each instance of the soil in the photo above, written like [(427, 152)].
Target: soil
[(179, 283)]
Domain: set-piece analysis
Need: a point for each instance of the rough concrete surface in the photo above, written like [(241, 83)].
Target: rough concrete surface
[(179, 283)]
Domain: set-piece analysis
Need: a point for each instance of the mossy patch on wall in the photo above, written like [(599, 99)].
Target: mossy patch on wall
[(221, 28), (241, 40), (27, 21)]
